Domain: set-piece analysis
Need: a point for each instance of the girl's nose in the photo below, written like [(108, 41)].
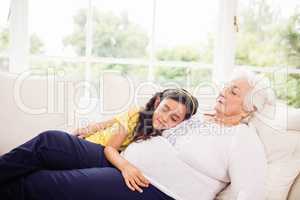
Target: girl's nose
[(164, 118)]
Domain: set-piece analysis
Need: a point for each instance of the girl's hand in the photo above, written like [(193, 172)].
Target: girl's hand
[(90, 129), (81, 132), (134, 178)]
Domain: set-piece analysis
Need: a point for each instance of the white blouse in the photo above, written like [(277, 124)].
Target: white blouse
[(197, 159)]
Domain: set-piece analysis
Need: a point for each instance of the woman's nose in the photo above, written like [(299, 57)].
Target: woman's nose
[(224, 91)]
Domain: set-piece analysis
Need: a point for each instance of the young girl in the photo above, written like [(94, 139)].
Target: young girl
[(163, 111), (133, 124), (62, 153)]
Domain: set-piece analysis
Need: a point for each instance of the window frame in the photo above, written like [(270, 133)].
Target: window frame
[(225, 39)]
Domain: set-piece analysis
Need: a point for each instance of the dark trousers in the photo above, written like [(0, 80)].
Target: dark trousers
[(55, 165)]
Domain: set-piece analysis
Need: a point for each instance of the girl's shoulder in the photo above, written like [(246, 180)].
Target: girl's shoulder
[(134, 110)]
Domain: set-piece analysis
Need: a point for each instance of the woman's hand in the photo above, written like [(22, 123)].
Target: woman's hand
[(134, 178), (90, 129)]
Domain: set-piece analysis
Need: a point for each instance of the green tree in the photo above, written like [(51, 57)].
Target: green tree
[(291, 39), (4, 39), (113, 36), (268, 39), (36, 44), (178, 53), (291, 43), (202, 52), (259, 36)]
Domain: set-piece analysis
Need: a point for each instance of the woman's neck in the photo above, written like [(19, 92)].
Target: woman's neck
[(225, 120)]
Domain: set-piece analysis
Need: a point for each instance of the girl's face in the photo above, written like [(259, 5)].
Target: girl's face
[(168, 114)]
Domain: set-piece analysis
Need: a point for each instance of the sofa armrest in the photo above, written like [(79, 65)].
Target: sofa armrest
[(294, 193)]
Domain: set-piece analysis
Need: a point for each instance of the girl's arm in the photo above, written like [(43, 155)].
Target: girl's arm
[(94, 127), (133, 177)]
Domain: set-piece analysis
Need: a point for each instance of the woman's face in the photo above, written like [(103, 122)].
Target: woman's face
[(231, 99), (168, 114)]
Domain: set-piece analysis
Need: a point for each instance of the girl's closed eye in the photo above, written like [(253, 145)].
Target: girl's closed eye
[(174, 119)]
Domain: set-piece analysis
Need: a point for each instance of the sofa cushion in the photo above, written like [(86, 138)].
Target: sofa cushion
[(31, 104)]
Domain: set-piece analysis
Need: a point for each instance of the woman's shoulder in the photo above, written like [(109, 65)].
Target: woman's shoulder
[(245, 135), (244, 130)]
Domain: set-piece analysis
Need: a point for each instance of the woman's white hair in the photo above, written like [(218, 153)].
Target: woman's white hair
[(261, 95)]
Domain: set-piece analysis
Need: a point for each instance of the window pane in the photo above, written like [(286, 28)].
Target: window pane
[(187, 77), (121, 28), (43, 67), (136, 73), (4, 64), (185, 30), (269, 33), (269, 36), (50, 24), (4, 32)]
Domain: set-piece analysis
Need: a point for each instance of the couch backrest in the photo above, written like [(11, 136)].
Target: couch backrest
[(30, 105)]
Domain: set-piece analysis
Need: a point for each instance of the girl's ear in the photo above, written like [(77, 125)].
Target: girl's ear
[(157, 102)]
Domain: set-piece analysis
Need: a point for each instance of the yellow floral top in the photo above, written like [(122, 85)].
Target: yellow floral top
[(127, 120)]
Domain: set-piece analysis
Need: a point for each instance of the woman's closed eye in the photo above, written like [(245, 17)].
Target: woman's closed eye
[(234, 90)]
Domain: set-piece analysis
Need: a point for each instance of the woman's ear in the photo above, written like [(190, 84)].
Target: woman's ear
[(245, 114), (157, 102)]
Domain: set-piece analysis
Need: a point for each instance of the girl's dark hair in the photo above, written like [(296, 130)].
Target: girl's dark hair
[(144, 129)]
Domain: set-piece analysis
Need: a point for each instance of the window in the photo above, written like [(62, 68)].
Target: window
[(269, 37), (134, 37), (187, 28), (184, 35), (50, 23), (4, 35), (121, 29)]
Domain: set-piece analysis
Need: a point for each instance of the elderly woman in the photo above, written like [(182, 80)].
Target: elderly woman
[(195, 160), (201, 156)]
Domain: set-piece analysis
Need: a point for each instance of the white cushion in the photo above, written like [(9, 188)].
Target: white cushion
[(21, 102)]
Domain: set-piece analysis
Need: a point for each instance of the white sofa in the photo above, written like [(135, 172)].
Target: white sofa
[(22, 117)]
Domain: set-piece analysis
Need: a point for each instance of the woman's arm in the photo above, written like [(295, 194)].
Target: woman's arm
[(247, 166), (132, 176)]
